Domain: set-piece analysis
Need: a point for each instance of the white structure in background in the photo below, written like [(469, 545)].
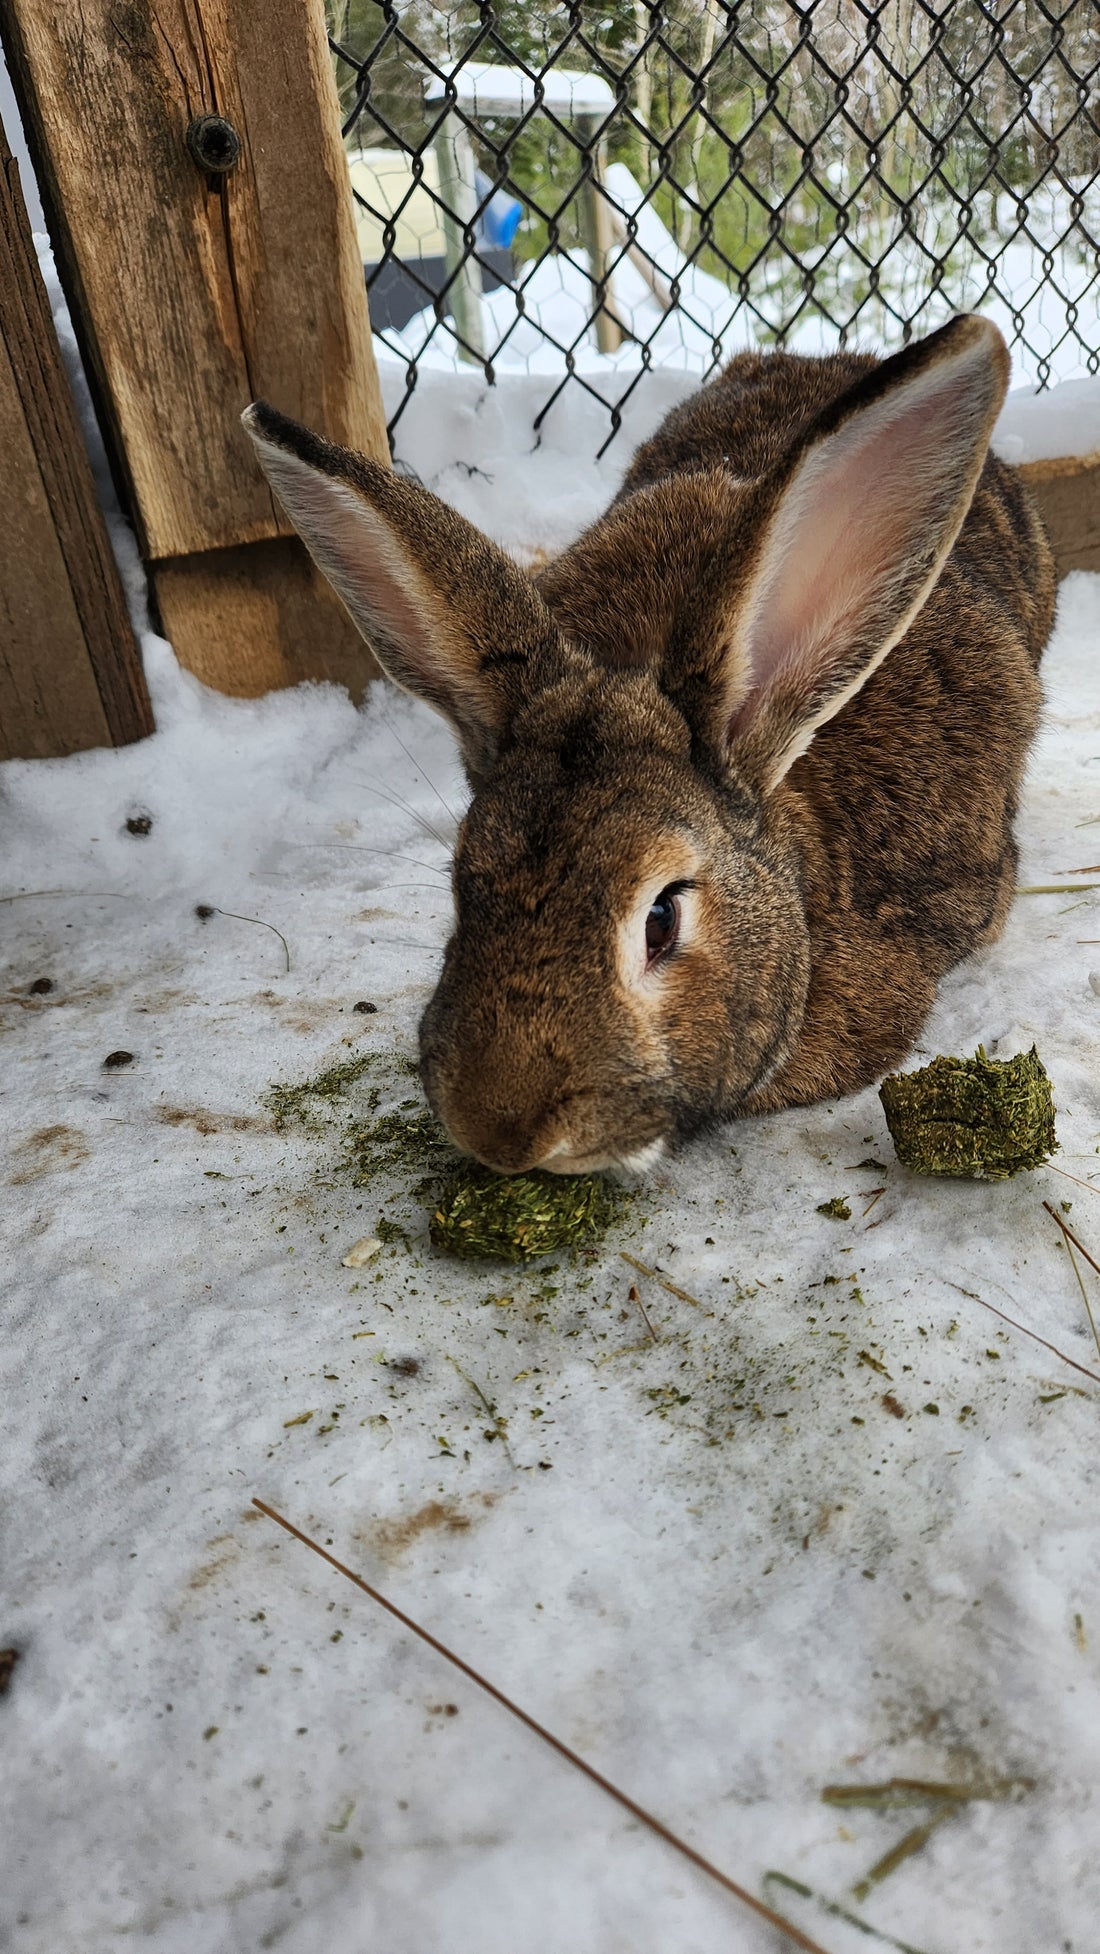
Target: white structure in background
[(384, 189)]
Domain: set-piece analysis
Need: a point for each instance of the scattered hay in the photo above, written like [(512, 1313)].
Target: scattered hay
[(835, 1210), (299, 1102), (409, 1139)]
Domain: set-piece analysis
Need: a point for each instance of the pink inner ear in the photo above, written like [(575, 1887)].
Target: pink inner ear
[(413, 632), (861, 520), (356, 549)]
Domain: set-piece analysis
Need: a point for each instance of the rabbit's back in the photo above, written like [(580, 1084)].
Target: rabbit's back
[(762, 403), (747, 418)]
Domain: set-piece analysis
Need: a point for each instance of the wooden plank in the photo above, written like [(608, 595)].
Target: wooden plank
[(49, 702), (1068, 494), (70, 673), (194, 294), (249, 619)]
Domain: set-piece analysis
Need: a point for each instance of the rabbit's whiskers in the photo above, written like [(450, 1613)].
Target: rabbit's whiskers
[(422, 771), (406, 807), (357, 848)]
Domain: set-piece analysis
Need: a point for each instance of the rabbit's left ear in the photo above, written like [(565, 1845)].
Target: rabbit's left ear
[(447, 614), (861, 522)]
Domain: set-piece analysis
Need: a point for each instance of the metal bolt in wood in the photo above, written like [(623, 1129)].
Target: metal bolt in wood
[(214, 144)]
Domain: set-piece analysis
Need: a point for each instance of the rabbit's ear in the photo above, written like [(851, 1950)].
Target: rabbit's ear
[(447, 614), (868, 508)]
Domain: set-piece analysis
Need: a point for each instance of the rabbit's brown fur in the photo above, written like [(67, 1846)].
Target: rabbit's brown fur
[(623, 742), (897, 882)]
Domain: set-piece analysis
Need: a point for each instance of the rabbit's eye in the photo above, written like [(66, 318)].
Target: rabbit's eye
[(662, 924)]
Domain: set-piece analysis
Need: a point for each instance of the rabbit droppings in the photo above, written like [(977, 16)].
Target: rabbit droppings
[(744, 759)]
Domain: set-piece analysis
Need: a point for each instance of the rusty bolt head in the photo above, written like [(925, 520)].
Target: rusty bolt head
[(214, 144)]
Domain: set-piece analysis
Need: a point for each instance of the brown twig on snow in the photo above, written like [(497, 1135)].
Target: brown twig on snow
[(645, 1270), (793, 1933), (634, 1296), (1071, 1177), (1073, 1239), (898, 1854), (1033, 1334)]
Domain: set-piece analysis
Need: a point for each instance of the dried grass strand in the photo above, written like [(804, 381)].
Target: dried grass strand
[(1024, 1330), (260, 925), (93, 895), (645, 1270), (1072, 1241), (1056, 888), (793, 1933), (1075, 1178)]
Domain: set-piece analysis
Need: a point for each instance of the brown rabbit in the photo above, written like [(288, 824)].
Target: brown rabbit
[(745, 758)]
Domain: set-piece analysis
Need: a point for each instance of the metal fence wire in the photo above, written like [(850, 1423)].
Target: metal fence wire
[(591, 192)]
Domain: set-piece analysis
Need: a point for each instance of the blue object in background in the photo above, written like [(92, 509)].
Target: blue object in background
[(501, 215)]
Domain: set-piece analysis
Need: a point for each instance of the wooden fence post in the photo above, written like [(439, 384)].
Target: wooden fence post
[(70, 673), (196, 287), (1068, 493)]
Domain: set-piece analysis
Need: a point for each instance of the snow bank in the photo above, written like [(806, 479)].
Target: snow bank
[(533, 492), (1065, 420)]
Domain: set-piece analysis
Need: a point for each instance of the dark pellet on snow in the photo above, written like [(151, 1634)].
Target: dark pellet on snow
[(203, 911), (114, 1061), (41, 987), (366, 1009), (139, 824)]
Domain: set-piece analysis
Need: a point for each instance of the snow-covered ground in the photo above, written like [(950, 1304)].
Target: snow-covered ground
[(835, 1523)]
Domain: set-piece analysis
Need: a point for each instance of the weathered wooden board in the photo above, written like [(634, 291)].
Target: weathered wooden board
[(194, 294), (250, 619), (1068, 493), (70, 673)]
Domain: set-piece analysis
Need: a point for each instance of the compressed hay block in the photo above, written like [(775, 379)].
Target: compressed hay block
[(981, 1118), (515, 1218)]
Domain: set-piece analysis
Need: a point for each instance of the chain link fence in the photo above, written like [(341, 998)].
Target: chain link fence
[(589, 192)]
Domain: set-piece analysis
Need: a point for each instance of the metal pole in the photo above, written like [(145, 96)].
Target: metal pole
[(597, 235), (458, 190)]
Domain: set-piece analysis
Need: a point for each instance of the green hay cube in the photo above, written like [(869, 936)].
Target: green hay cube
[(978, 1118), (517, 1217)]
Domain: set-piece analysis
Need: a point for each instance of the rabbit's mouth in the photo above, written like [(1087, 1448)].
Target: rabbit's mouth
[(562, 1160)]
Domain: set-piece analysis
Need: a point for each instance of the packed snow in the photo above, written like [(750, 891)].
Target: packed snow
[(713, 1558)]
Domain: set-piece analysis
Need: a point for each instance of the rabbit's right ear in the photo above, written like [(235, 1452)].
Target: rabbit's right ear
[(448, 615), (861, 521)]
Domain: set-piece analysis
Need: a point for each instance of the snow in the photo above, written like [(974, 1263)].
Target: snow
[(715, 1563), (537, 482), (1043, 426), (1035, 283)]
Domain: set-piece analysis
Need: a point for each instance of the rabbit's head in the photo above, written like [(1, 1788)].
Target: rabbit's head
[(630, 957)]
